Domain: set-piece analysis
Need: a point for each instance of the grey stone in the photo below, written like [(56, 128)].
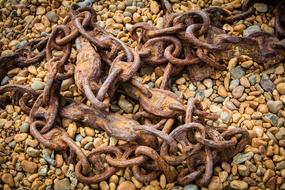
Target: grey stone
[(200, 95), (191, 187), (21, 44), (52, 17), (252, 79), (230, 105), (225, 117), (237, 72), (33, 152), (12, 144), (242, 157), (219, 99), (63, 184), (5, 80), (49, 160), (38, 85), (271, 118), (89, 146), (24, 127), (267, 85), (85, 3), (43, 170), (251, 29), (78, 138), (274, 106), (233, 84), (280, 165)]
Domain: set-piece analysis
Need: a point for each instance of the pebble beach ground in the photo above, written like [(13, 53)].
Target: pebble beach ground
[(245, 95)]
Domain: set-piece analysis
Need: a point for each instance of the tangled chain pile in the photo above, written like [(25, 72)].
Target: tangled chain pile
[(192, 39)]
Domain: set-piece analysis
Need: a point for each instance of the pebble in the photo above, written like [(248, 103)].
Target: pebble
[(24, 127), (52, 17), (237, 72), (33, 152), (222, 91), (137, 183), (191, 187), (215, 184), (63, 184), (126, 185), (125, 104), (20, 137), (267, 85), (274, 106), (43, 170), (225, 117), (251, 29), (239, 185), (238, 91), (7, 178), (242, 157), (29, 166), (154, 7), (37, 85), (261, 7), (66, 84), (271, 118), (41, 10), (281, 88), (280, 165)]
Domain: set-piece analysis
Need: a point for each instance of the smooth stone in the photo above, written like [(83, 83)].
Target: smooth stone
[(85, 3), (78, 138), (233, 84), (225, 117), (126, 185), (238, 91), (131, 9), (89, 146), (271, 118), (280, 134), (239, 185), (25, 127), (219, 99), (274, 106), (154, 7), (281, 88), (230, 105), (208, 92), (191, 187), (252, 79), (5, 80), (38, 85), (242, 157), (20, 137), (237, 72), (267, 85), (29, 166), (7, 178), (280, 165), (12, 144), (66, 84), (63, 184), (261, 7), (251, 29), (215, 184)]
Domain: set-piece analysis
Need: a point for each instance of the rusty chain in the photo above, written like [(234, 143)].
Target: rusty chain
[(105, 66)]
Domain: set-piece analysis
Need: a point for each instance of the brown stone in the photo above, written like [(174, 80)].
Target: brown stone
[(29, 166), (126, 185)]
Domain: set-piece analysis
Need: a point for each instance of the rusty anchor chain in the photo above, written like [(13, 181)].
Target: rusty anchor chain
[(105, 67)]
